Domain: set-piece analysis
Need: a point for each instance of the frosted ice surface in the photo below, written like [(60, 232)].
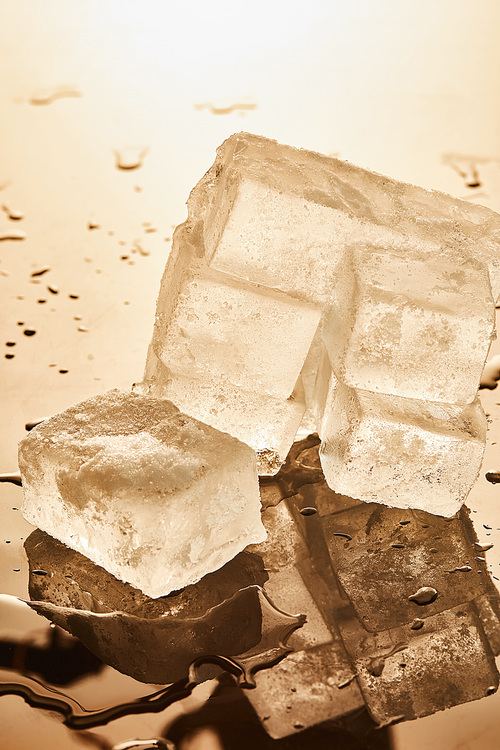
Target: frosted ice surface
[(297, 272), (153, 496), (230, 353), (403, 452), (266, 423), (224, 329), (285, 217), (422, 327)]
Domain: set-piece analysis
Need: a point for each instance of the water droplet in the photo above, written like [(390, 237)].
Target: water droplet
[(130, 158), (48, 96), (40, 272), (342, 534), (417, 623), (137, 245), (483, 547), (493, 476), (82, 329), (12, 214), (53, 289), (241, 108), (403, 523), (41, 301), (39, 572), (29, 332), (31, 425), (74, 296), (461, 569), (424, 595), (9, 356), (398, 546), (63, 372), (14, 236), (309, 511)]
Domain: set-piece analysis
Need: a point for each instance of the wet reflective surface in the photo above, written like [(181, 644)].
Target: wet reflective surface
[(350, 615), (109, 119)]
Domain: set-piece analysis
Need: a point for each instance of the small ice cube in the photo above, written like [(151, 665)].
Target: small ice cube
[(153, 496)]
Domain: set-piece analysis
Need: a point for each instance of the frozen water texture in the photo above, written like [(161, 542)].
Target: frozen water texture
[(403, 452), (210, 352), (153, 496), (301, 281)]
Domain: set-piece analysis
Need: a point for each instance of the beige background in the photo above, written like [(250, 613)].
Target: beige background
[(407, 89)]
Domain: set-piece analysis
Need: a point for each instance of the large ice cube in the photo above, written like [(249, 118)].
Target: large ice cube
[(402, 452), (284, 217), (150, 494), (295, 268)]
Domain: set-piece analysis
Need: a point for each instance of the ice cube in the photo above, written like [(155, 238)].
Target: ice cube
[(422, 327), (228, 330), (153, 496), (285, 217), (402, 452), (265, 423), (228, 352)]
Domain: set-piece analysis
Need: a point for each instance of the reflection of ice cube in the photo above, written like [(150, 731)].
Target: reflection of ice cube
[(406, 674), (314, 682), (385, 555), (380, 557)]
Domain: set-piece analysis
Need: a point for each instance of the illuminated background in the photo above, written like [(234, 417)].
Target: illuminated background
[(408, 89)]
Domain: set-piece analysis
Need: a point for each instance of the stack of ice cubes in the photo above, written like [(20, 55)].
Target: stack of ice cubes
[(303, 282)]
